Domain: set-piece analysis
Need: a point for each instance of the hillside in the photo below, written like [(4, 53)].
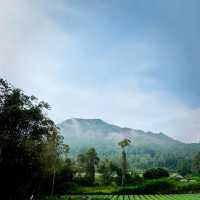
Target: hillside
[(83, 133), (147, 149)]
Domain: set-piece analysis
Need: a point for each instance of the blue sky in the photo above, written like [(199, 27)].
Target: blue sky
[(133, 62)]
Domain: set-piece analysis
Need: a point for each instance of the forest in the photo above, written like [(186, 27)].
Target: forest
[(35, 162)]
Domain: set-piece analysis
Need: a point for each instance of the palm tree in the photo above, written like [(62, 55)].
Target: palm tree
[(124, 143)]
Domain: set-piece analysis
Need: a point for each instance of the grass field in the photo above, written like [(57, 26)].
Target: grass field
[(129, 197)]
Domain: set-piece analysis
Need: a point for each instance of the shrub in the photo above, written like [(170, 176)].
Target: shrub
[(155, 173)]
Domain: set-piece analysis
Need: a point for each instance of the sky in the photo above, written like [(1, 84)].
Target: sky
[(134, 63)]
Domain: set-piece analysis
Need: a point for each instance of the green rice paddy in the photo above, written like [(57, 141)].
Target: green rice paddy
[(135, 197)]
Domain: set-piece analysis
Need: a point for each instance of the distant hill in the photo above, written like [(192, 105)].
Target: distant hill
[(84, 133), (146, 148)]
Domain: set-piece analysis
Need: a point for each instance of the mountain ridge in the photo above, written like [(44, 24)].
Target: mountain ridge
[(97, 121), (147, 149), (81, 134)]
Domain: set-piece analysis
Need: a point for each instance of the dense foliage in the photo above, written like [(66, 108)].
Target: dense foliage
[(155, 173), (87, 163), (196, 163), (29, 144)]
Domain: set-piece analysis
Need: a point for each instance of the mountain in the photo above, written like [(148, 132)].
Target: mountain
[(84, 133), (146, 150)]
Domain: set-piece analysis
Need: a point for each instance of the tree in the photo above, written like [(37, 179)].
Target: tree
[(106, 171), (184, 166), (25, 132), (54, 150), (81, 164), (88, 162), (123, 144), (156, 173), (196, 164), (92, 161)]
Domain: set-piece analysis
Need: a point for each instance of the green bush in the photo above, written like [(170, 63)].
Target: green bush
[(156, 173)]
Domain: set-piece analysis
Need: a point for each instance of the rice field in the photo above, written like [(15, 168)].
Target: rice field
[(136, 197)]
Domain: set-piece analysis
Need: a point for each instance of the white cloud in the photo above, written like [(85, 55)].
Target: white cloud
[(35, 51), (130, 107)]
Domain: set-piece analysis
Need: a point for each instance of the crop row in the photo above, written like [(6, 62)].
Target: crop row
[(137, 197)]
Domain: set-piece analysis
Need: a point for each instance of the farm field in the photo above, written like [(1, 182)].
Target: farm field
[(130, 197)]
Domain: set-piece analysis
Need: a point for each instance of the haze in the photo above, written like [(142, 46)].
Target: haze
[(133, 63)]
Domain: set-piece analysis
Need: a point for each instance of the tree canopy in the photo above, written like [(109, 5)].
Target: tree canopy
[(26, 135)]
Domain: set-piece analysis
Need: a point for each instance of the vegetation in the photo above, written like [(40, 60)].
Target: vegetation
[(87, 163), (35, 162), (156, 173), (196, 164), (149, 150), (30, 145), (124, 143)]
